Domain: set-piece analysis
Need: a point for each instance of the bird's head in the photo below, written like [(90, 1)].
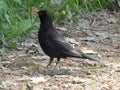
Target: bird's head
[(44, 15), (41, 12)]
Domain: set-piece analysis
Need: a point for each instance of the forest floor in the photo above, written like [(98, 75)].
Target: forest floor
[(97, 34)]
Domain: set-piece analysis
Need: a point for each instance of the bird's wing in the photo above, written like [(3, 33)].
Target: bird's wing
[(59, 44)]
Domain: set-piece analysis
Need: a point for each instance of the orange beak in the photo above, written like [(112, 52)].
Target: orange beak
[(36, 10)]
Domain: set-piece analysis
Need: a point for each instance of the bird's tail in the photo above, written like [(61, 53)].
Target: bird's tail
[(83, 55), (89, 57)]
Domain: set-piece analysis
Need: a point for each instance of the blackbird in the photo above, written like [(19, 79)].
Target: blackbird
[(52, 43)]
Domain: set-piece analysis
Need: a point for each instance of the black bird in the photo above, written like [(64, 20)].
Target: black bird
[(52, 43)]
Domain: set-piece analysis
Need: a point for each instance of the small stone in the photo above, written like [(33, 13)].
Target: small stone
[(88, 51), (62, 28), (78, 80), (37, 79)]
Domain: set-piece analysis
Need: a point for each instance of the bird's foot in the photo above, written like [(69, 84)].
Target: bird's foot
[(56, 67)]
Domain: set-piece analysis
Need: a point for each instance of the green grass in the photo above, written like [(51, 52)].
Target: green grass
[(101, 67), (17, 17)]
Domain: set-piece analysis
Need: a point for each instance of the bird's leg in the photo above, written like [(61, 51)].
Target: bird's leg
[(58, 60), (51, 59)]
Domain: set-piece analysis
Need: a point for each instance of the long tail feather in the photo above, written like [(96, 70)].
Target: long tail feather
[(83, 55), (90, 58)]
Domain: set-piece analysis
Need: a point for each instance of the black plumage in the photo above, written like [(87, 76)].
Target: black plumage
[(52, 43)]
